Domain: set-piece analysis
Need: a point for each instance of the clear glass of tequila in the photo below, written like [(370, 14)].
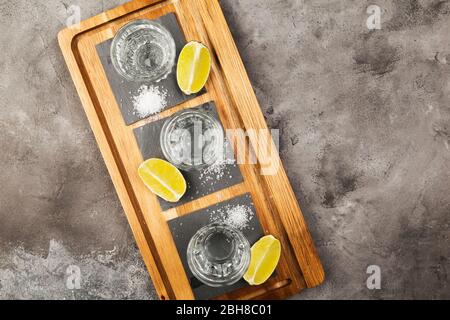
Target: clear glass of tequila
[(218, 255), (143, 50), (192, 139)]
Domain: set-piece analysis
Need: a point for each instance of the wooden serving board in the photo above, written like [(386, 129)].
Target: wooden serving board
[(230, 89)]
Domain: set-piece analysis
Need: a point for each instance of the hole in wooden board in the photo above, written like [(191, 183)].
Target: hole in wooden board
[(260, 290)]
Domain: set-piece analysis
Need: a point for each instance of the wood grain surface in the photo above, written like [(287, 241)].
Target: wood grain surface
[(237, 106)]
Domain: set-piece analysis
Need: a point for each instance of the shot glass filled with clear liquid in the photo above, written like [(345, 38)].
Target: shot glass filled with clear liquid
[(218, 255), (143, 50), (192, 139)]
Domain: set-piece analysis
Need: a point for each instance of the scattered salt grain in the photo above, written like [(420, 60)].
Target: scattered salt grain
[(149, 100), (216, 171), (238, 216)]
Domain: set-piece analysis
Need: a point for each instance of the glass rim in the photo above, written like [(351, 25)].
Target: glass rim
[(169, 123), (236, 275), (154, 25)]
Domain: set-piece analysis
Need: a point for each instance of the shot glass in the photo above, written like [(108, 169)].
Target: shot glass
[(143, 50), (218, 255), (192, 140)]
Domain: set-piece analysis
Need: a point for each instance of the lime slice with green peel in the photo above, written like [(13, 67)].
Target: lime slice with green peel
[(163, 179), (265, 254), (194, 64)]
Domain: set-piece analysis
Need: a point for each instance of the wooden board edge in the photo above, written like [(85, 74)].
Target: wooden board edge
[(194, 24), (230, 61), (106, 17), (66, 40)]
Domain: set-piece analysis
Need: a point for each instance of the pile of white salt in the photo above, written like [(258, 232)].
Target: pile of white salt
[(237, 216), (149, 100)]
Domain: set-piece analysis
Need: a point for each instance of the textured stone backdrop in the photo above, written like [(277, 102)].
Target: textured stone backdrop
[(365, 128)]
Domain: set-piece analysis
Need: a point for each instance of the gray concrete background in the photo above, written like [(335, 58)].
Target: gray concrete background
[(365, 121)]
